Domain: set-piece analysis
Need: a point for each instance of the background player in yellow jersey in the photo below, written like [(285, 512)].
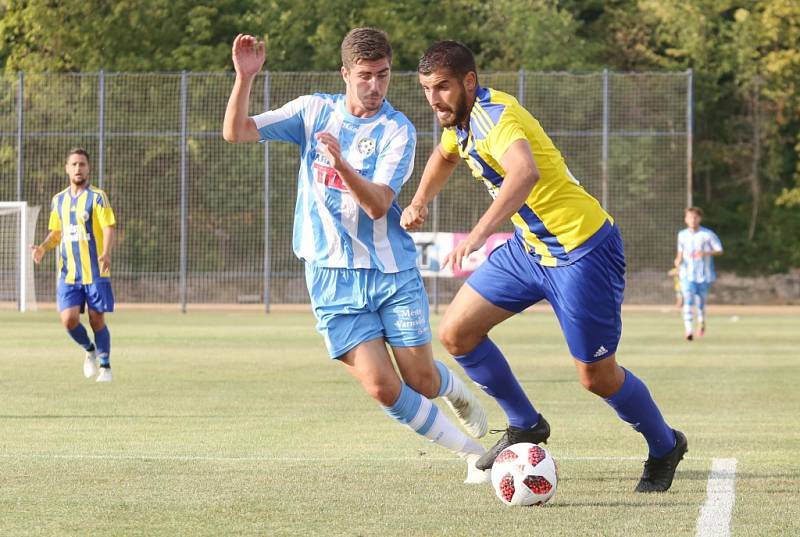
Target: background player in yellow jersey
[(566, 249), (82, 227)]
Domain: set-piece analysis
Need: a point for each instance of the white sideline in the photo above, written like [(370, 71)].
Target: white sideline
[(213, 458), (715, 516)]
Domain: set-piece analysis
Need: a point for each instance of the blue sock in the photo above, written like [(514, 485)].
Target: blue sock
[(488, 368), (102, 339), (81, 337), (636, 407)]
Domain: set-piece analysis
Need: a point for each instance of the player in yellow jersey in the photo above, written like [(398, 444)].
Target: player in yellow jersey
[(566, 249), (82, 227)]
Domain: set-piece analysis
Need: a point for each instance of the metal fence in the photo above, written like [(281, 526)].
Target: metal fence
[(202, 221)]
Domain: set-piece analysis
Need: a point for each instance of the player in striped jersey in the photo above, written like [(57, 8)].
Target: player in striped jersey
[(356, 152), (697, 247), (82, 227), (566, 249)]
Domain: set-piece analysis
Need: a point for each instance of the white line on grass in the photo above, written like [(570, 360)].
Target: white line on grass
[(715, 517), (215, 458)]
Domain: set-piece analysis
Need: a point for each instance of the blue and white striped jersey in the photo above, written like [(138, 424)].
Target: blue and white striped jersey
[(695, 268), (330, 229)]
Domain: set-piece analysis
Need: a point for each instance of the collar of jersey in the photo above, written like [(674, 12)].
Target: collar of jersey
[(481, 95)]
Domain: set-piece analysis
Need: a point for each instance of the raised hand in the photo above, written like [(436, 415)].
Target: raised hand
[(329, 147), (248, 55)]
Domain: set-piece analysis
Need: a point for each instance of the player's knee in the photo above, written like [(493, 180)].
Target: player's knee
[(384, 393), (70, 323), (456, 342), (600, 384)]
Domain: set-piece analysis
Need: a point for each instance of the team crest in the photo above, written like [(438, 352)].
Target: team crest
[(85, 216), (366, 146)]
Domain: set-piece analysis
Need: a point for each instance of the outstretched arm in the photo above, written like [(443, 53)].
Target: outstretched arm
[(248, 57), (437, 171), (521, 175)]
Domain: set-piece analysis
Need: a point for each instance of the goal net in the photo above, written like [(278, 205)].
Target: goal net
[(17, 232)]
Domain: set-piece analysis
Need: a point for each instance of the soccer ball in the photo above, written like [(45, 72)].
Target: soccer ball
[(524, 474)]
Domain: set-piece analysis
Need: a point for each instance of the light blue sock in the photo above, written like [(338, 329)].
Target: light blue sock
[(635, 406), (423, 417), (102, 339), (445, 376), (488, 368), (81, 337)]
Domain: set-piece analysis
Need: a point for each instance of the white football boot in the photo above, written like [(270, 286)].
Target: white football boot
[(90, 364), (475, 476), (105, 375), (467, 408)]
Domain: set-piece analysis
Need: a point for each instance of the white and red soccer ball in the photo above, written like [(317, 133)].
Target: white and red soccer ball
[(524, 474)]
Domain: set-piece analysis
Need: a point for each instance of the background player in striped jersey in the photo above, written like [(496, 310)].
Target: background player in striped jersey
[(356, 152), (565, 249), (697, 247), (82, 227)]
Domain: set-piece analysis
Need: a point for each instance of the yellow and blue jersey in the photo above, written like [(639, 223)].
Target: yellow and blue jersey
[(560, 222), (81, 220)]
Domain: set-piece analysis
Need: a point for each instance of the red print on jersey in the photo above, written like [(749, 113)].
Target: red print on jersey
[(328, 177)]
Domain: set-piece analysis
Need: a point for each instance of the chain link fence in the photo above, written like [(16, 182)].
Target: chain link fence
[(203, 221)]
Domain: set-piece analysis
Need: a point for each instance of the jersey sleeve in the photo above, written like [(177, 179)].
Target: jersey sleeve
[(449, 141), (285, 123), (396, 161), (103, 211), (716, 244), (55, 221), (507, 131)]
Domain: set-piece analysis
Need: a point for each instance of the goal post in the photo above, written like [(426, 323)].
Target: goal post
[(17, 233)]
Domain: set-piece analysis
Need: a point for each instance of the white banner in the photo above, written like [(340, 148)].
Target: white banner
[(432, 248)]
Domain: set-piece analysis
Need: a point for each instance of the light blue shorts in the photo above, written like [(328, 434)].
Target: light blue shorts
[(690, 289), (357, 305)]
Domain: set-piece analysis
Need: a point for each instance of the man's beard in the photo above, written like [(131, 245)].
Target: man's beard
[(460, 112)]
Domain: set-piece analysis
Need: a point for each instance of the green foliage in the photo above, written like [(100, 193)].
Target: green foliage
[(744, 55)]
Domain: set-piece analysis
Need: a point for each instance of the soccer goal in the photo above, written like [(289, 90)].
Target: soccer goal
[(17, 232)]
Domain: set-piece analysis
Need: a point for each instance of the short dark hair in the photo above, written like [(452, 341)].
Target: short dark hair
[(77, 151), (365, 44), (452, 56), (696, 210)]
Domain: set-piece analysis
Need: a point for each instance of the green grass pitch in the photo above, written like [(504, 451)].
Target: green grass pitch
[(221, 423)]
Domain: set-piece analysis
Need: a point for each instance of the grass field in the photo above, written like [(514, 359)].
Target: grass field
[(221, 423)]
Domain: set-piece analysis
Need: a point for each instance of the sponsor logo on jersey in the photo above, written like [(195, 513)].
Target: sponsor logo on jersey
[(328, 177)]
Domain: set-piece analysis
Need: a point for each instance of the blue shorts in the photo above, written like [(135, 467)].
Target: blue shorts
[(586, 295), (690, 289), (98, 296), (357, 305)]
